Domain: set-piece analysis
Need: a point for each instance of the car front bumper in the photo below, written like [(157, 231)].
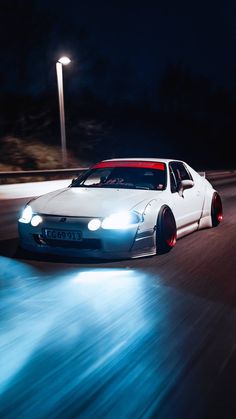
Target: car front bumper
[(105, 244)]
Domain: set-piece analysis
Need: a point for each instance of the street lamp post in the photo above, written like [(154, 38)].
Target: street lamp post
[(62, 61)]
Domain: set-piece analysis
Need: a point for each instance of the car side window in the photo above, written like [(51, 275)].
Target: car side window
[(184, 173), (173, 183), (178, 172)]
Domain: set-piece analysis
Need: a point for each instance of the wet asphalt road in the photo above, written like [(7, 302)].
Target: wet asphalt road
[(145, 338)]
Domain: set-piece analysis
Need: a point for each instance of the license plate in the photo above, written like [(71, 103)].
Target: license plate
[(62, 234)]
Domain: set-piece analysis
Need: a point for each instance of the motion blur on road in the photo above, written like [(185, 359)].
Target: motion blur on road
[(152, 337)]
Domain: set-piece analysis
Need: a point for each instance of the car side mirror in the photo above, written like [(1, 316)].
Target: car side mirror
[(185, 184)]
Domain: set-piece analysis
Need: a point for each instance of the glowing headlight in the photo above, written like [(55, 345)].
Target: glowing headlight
[(94, 224), (36, 220), (121, 220), (26, 215)]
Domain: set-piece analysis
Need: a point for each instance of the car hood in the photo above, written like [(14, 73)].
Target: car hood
[(91, 202)]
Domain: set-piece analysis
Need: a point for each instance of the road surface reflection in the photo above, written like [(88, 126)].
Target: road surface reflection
[(102, 342)]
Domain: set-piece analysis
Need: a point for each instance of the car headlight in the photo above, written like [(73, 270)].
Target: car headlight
[(26, 215), (121, 220)]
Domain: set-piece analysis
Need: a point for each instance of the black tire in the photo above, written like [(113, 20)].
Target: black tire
[(216, 210), (165, 230)]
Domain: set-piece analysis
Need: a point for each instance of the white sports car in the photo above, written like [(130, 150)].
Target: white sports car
[(121, 208)]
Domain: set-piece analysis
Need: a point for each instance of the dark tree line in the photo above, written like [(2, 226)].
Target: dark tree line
[(191, 120)]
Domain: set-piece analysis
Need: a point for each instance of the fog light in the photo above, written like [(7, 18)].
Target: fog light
[(36, 220), (94, 224)]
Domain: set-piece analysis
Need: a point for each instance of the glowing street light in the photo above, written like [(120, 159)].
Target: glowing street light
[(62, 61)]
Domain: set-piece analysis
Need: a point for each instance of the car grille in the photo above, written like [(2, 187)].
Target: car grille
[(84, 244)]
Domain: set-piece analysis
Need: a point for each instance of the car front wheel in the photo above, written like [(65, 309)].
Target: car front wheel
[(165, 230)]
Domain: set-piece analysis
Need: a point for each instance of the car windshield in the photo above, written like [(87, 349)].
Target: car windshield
[(148, 176)]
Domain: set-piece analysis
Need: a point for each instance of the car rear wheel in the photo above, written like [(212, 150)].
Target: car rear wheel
[(216, 210), (165, 231)]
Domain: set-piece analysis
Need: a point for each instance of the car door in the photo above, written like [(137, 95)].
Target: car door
[(187, 206)]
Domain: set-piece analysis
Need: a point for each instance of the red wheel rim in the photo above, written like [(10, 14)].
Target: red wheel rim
[(218, 210)]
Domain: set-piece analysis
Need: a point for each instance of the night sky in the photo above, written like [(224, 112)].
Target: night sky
[(120, 50), (105, 39)]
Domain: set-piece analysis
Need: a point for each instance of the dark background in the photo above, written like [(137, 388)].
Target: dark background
[(146, 79)]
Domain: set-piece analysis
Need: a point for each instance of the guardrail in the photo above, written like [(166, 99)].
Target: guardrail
[(32, 173)]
